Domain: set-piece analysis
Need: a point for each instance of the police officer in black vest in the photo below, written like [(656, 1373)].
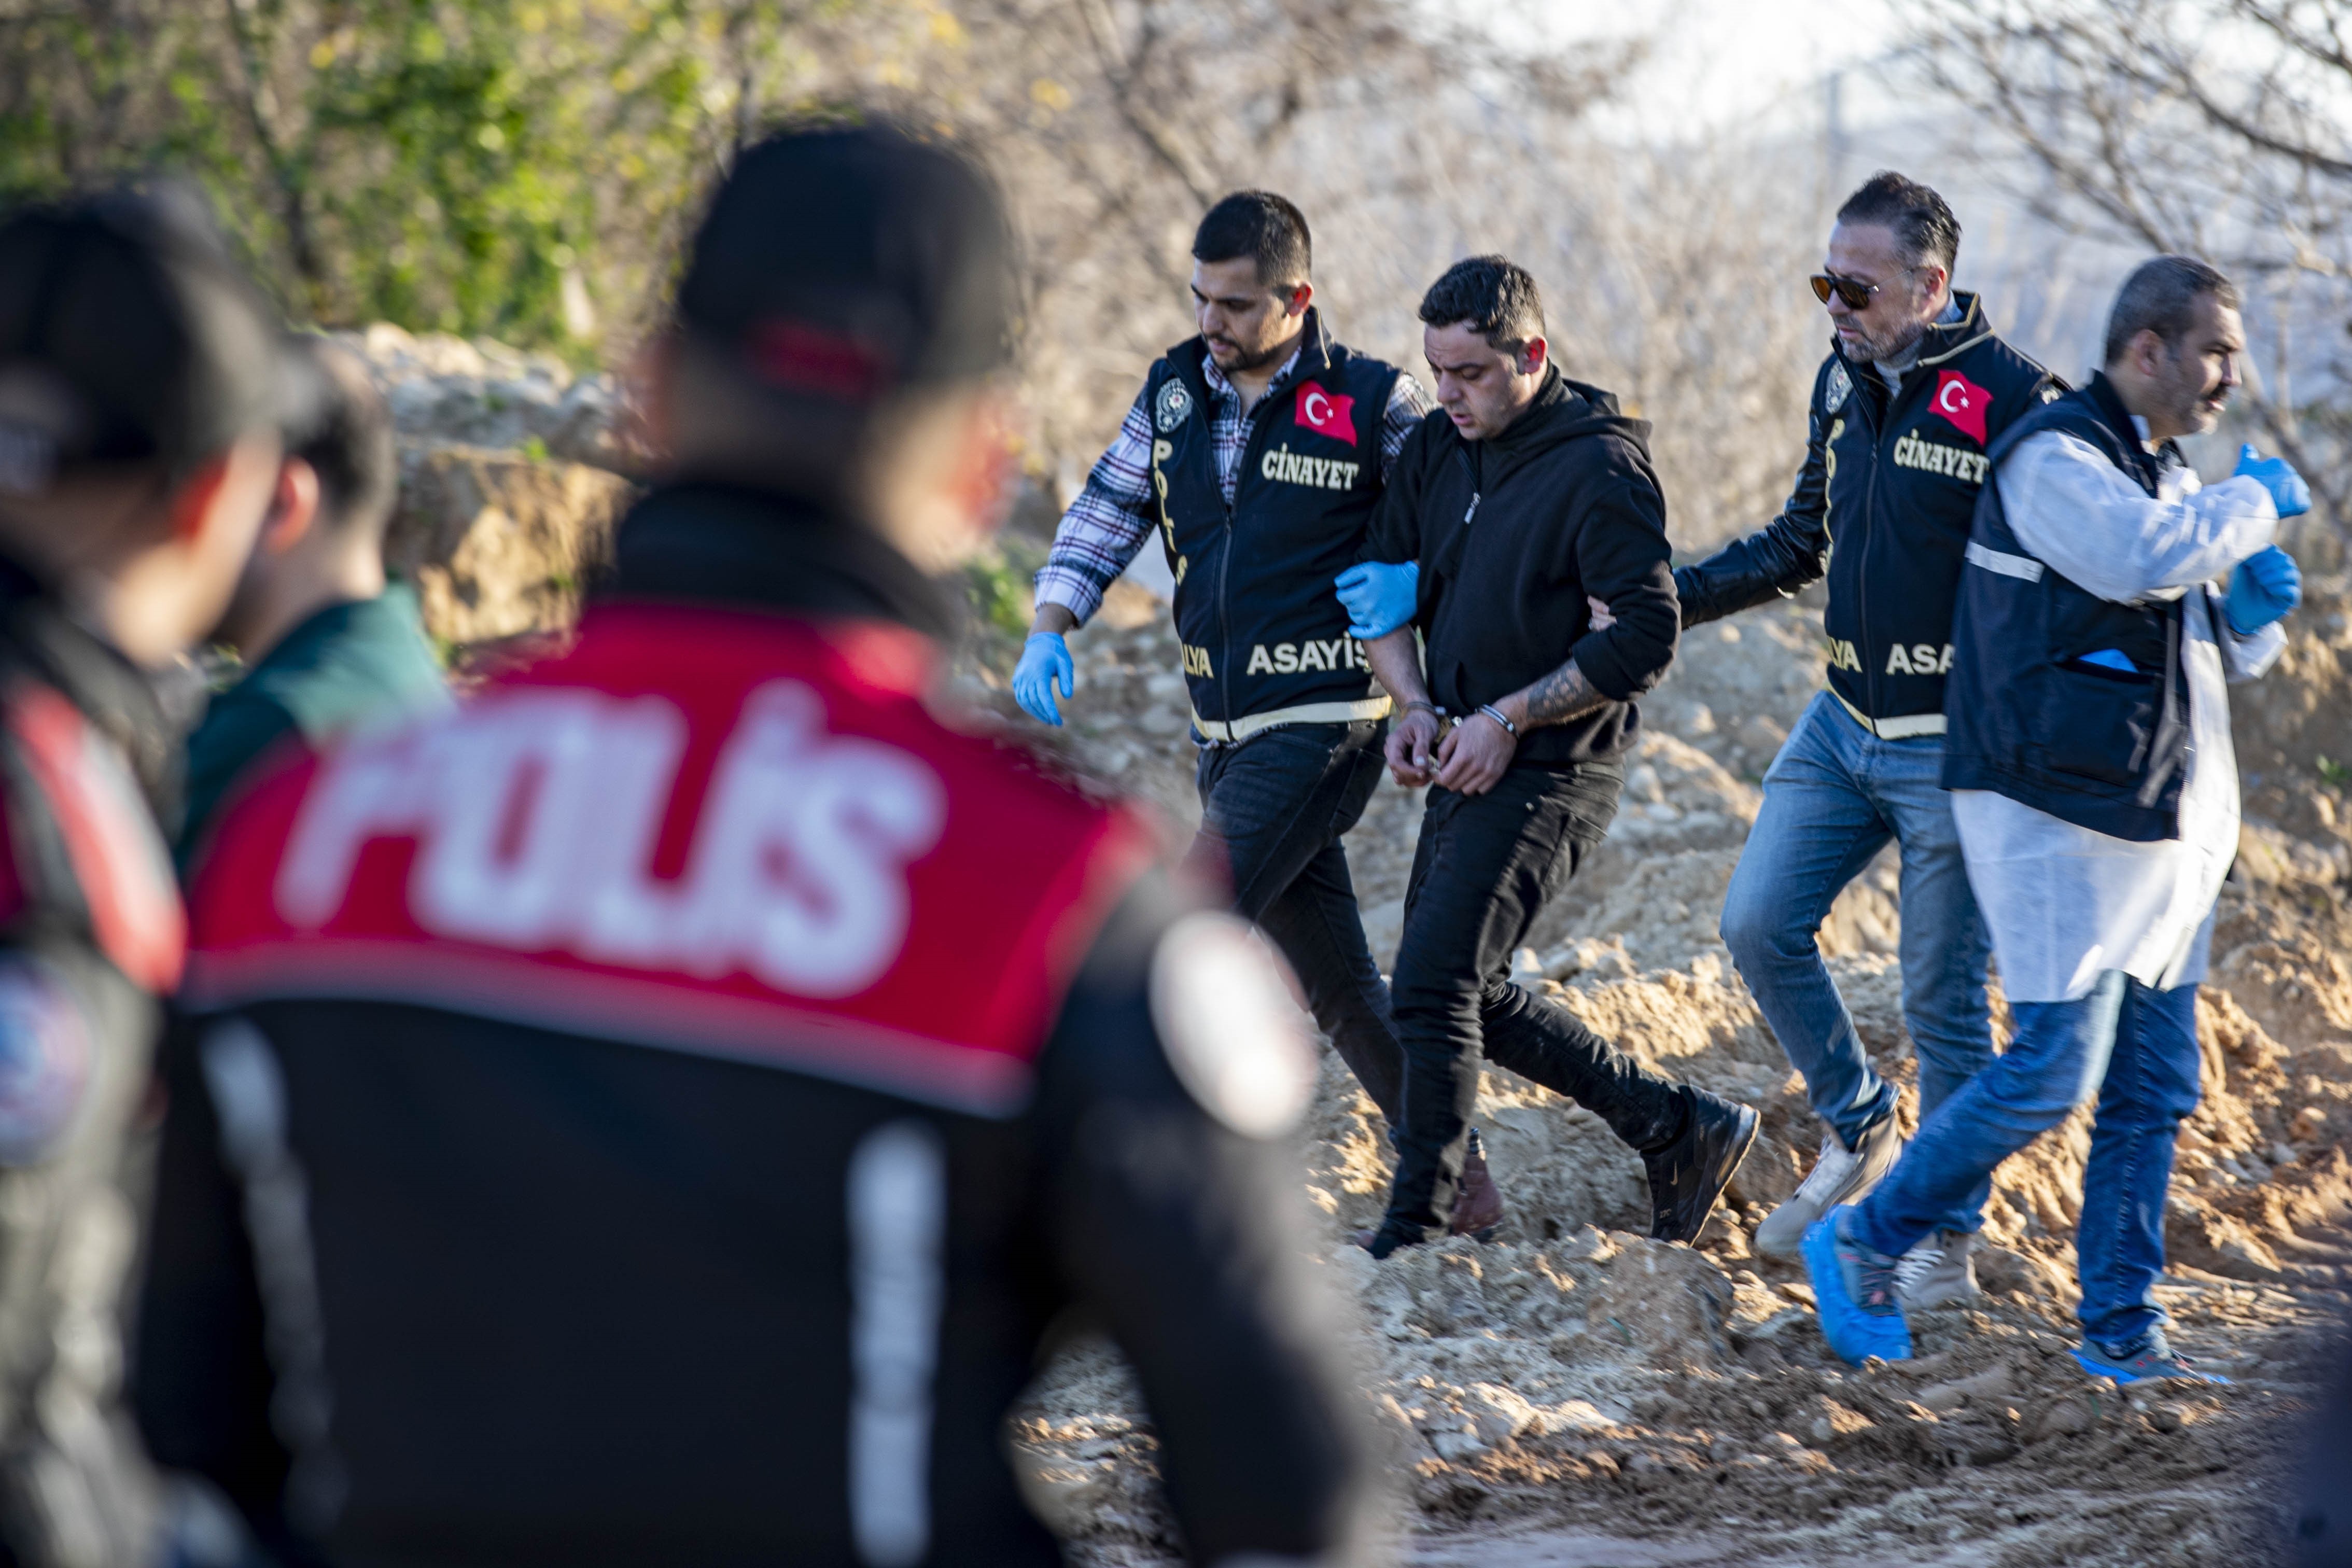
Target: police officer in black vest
[(1915, 386), (1257, 451), (2095, 791)]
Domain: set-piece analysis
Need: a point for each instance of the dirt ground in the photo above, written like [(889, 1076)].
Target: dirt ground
[(1574, 1394)]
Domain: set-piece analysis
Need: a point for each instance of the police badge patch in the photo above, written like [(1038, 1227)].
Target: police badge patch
[(1840, 386), (1174, 404)]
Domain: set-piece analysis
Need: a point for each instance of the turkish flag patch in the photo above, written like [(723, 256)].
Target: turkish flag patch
[(1962, 402), (1327, 413)]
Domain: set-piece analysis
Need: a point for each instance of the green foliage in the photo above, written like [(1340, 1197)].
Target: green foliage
[(521, 169), (999, 596)]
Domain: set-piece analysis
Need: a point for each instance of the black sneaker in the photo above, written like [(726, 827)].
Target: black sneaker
[(1689, 1174)]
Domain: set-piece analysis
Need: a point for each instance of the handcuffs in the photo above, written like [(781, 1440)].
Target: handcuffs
[(1445, 722)]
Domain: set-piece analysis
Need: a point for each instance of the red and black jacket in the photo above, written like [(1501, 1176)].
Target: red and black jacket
[(697, 1074), (92, 933)]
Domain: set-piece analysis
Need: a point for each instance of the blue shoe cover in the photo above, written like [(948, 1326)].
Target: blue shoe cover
[(2155, 1362), (1853, 1333)]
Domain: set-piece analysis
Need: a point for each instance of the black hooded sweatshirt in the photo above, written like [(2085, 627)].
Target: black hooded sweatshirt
[(1512, 534)]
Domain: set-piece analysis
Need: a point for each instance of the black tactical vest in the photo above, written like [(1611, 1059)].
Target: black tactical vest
[(1261, 625), (1903, 472), (2105, 748)]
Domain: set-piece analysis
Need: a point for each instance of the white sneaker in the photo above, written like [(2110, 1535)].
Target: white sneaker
[(1941, 1272), (1839, 1176)]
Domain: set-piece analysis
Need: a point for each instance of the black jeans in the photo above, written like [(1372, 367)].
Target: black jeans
[(1272, 812), (1485, 868)]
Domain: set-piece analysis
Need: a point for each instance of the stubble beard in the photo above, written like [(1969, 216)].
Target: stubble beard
[(2197, 408), (1247, 361), (1894, 343)]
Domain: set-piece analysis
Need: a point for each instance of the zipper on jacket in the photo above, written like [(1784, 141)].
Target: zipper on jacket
[(1869, 534), (1255, 427)]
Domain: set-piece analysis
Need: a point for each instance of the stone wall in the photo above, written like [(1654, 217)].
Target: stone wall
[(513, 471)]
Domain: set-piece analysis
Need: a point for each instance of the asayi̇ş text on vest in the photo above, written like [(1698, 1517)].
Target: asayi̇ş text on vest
[(1904, 470), (1260, 626)]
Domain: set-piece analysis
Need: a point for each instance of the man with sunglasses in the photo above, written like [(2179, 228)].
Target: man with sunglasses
[(1915, 386), (2096, 792)]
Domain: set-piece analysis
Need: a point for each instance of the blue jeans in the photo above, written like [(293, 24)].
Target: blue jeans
[(2135, 1048), (2055, 1063), (2151, 1085), (1832, 798)]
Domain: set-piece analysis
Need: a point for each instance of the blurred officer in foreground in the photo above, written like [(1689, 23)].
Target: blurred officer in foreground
[(2319, 1491), (328, 646), (1256, 450), (2096, 794), (1915, 386), (139, 402), (654, 1115), (1522, 503)]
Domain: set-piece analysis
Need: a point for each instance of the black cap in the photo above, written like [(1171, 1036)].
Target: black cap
[(127, 335), (842, 262)]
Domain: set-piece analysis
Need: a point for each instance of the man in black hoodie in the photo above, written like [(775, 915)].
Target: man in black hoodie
[(1524, 496)]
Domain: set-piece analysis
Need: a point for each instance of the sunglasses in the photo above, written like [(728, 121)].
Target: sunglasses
[(1853, 290)]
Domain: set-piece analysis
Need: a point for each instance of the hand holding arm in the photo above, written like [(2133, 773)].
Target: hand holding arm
[(1379, 597)]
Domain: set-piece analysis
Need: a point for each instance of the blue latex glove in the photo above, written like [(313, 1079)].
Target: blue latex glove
[(1045, 659), (1378, 598), (2264, 587), (2288, 492)]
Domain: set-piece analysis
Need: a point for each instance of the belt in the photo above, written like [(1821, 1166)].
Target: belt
[(1219, 733), (1908, 727)]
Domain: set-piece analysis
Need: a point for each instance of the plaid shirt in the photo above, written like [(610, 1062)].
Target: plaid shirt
[(1107, 524)]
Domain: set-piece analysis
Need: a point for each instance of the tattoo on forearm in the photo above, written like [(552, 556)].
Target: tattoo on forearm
[(1562, 695)]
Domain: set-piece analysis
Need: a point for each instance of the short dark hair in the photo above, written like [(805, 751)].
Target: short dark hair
[(345, 435), (2160, 296), (1266, 228), (1494, 296), (843, 275), (128, 338), (1925, 229)]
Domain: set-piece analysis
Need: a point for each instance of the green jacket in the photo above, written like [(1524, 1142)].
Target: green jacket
[(348, 666)]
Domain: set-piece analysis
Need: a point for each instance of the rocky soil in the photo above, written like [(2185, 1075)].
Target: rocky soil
[(512, 471), (1573, 1393), (1576, 1393)]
